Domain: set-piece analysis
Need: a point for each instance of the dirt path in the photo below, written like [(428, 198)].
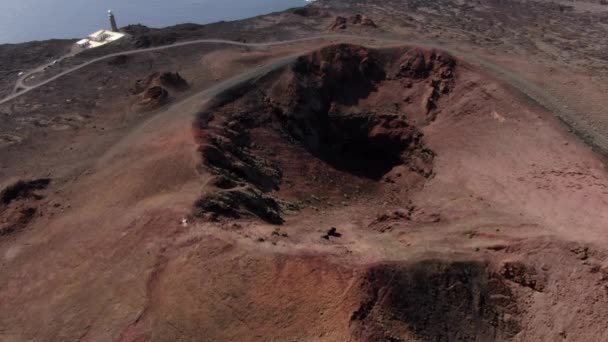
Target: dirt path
[(541, 97), (159, 48)]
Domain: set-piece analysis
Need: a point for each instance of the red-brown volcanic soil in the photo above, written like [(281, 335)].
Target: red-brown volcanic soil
[(413, 144), (350, 194)]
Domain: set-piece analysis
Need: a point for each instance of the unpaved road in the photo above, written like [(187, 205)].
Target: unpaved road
[(158, 48), (538, 95)]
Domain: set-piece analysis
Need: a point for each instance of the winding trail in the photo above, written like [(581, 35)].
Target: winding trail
[(570, 117), (165, 47)]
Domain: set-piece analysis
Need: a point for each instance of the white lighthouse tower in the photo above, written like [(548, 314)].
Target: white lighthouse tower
[(112, 21)]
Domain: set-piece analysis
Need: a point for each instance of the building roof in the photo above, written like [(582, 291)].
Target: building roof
[(111, 35), (100, 37), (97, 34)]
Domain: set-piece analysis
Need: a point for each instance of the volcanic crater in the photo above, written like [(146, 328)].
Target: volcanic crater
[(348, 119), (345, 114)]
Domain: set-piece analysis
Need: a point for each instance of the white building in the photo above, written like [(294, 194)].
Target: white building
[(83, 43), (99, 38)]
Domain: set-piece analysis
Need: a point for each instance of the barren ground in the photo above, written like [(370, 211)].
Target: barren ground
[(436, 175)]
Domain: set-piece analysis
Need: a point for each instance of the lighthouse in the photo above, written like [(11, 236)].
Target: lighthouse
[(112, 21)]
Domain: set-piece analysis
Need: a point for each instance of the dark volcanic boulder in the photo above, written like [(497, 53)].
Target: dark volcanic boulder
[(339, 24), (356, 20), (23, 189), (173, 80), (368, 22), (361, 20), (156, 93), (169, 80), (237, 203), (154, 97)]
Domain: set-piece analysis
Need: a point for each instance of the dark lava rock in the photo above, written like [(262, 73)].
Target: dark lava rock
[(173, 80), (360, 20), (523, 275), (339, 24), (368, 22), (12, 221), (154, 97), (168, 80), (17, 208), (23, 189), (331, 232), (156, 93), (239, 203), (436, 300)]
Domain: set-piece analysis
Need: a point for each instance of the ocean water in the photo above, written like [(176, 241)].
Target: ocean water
[(26, 20)]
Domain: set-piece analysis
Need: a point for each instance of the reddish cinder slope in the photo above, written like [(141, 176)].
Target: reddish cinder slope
[(357, 194)]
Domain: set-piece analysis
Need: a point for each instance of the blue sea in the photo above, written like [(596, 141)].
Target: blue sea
[(26, 20)]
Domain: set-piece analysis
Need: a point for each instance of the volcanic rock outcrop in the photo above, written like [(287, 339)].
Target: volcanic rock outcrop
[(153, 97), (17, 204), (353, 110), (23, 190), (358, 19), (435, 300), (153, 90), (169, 80), (341, 23)]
